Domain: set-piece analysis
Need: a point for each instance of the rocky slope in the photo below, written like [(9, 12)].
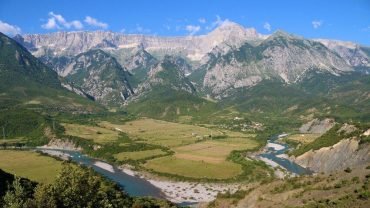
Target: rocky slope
[(223, 61), (193, 47), (280, 56), (317, 126), (352, 53), (100, 76), (346, 153), (168, 73), (140, 59), (139, 64)]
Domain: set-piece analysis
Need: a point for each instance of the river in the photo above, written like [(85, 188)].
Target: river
[(275, 151), (133, 185), (137, 186)]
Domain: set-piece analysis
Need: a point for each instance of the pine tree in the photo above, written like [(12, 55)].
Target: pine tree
[(16, 197)]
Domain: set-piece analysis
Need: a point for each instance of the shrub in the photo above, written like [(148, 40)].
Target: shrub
[(348, 170)]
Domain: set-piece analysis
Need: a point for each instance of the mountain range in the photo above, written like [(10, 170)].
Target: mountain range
[(231, 61)]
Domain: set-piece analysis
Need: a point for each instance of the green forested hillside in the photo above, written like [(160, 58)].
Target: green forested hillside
[(169, 104), (29, 93), (27, 82)]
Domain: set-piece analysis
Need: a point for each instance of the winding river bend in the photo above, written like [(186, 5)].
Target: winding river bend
[(275, 152), (133, 185), (137, 186)]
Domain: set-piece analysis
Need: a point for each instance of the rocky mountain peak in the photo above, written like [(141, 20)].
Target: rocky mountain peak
[(229, 27), (169, 73), (354, 54), (337, 43), (232, 33), (96, 55), (281, 56), (19, 39), (283, 34), (99, 75), (140, 59)]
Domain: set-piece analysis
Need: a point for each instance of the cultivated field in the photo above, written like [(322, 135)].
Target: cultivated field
[(206, 159), (95, 133), (215, 151), (162, 132), (194, 169), (139, 155), (199, 152), (30, 165)]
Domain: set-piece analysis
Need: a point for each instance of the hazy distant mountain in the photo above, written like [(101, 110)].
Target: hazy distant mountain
[(354, 54), (193, 47), (228, 58), (281, 56), (167, 93)]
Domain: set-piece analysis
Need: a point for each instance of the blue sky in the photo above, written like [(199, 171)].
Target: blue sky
[(343, 20)]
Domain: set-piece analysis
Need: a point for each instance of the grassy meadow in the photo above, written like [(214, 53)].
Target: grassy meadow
[(32, 165), (95, 133), (193, 168), (139, 155), (168, 148), (303, 138), (163, 133)]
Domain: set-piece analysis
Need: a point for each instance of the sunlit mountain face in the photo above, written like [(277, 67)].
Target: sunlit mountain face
[(201, 104)]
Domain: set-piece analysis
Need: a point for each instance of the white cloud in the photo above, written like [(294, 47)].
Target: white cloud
[(202, 20), (267, 26), (9, 29), (218, 22), (57, 21), (316, 24), (94, 22), (51, 24), (77, 24), (192, 29)]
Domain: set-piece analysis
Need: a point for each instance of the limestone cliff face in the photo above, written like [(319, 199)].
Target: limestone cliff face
[(140, 59), (64, 144), (100, 76), (317, 126), (353, 54), (226, 59), (346, 153), (193, 47), (281, 56)]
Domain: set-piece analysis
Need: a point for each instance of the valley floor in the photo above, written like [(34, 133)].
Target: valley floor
[(202, 164)]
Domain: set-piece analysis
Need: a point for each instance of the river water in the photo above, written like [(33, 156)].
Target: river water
[(275, 152), (137, 186), (133, 185)]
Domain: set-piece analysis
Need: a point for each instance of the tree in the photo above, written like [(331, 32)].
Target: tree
[(74, 187), (42, 197), (77, 187), (16, 197)]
